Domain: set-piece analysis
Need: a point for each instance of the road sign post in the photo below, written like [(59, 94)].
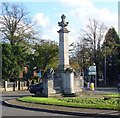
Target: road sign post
[(92, 71)]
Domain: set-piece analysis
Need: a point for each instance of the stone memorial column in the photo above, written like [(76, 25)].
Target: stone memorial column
[(63, 45)]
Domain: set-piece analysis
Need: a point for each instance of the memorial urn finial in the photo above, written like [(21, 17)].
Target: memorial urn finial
[(63, 24)]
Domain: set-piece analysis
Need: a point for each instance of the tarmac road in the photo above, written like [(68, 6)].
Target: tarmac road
[(9, 111)]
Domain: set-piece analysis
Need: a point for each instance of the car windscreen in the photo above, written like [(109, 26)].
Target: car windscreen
[(38, 84)]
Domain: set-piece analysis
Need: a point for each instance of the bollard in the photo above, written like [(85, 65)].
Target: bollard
[(5, 85), (17, 84), (88, 85), (92, 86)]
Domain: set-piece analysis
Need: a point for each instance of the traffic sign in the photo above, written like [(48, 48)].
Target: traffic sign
[(91, 73), (92, 69), (39, 74)]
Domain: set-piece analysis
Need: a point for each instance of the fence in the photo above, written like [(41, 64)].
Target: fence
[(14, 86)]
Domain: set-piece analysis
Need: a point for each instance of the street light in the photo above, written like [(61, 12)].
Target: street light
[(105, 66)]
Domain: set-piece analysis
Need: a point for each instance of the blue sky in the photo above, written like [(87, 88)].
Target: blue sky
[(77, 12)]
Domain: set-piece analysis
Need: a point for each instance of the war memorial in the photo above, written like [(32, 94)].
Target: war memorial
[(63, 80)]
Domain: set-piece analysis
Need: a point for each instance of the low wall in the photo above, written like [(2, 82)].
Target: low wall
[(11, 86)]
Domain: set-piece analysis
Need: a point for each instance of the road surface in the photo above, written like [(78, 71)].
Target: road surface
[(9, 111)]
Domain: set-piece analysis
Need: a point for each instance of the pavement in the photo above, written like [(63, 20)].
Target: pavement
[(87, 112)]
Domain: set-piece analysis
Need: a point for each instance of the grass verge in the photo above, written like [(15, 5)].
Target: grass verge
[(109, 94), (76, 102)]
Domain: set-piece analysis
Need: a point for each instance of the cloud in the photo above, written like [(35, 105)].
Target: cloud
[(85, 10), (79, 14), (49, 31), (102, 15), (73, 35), (80, 3), (41, 20), (105, 0), (55, 8), (46, 37)]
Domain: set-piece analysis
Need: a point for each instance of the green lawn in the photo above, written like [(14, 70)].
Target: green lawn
[(109, 94), (76, 102)]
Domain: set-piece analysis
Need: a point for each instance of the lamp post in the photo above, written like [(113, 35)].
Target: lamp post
[(90, 56), (95, 76), (105, 66)]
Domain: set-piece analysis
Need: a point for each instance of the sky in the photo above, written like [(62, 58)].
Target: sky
[(48, 13)]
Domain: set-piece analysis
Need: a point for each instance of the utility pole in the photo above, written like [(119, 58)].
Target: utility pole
[(105, 66)]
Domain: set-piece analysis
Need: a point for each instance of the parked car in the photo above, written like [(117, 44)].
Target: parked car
[(85, 84), (119, 86), (36, 89)]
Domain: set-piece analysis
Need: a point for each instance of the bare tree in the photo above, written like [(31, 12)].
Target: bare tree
[(82, 55), (15, 25), (94, 36)]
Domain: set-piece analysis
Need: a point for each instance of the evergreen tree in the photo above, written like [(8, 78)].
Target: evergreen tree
[(13, 61), (112, 43)]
